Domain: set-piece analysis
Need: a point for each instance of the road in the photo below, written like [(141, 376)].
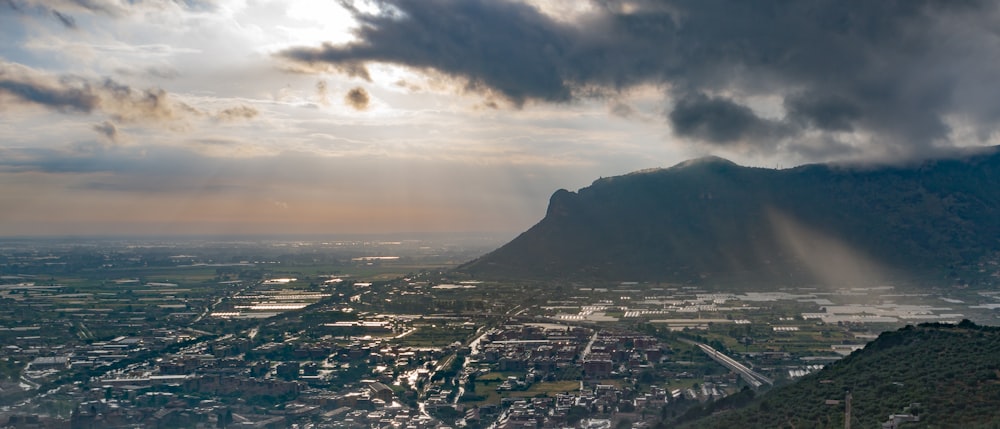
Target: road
[(752, 377), (586, 350), (473, 345), (212, 306)]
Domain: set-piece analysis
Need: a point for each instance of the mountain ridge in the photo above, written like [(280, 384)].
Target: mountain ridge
[(945, 374), (709, 219)]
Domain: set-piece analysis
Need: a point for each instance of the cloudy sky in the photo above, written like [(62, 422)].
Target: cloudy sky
[(325, 116)]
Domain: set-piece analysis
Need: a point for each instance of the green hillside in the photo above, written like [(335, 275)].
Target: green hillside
[(952, 372)]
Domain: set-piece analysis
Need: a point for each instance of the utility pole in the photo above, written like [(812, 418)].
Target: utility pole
[(847, 410)]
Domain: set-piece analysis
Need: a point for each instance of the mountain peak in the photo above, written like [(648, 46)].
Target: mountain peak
[(705, 160), (710, 220)]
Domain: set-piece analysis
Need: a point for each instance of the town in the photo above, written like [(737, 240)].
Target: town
[(378, 334)]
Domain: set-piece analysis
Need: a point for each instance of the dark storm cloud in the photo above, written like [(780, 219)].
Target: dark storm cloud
[(621, 110), (60, 9), (495, 45), (64, 96), (357, 98), (110, 8), (893, 72), (237, 113), (127, 104), (20, 85), (64, 19), (830, 112), (13, 6), (108, 130), (721, 121)]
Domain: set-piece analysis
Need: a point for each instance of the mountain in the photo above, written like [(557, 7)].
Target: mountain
[(947, 375), (712, 220)]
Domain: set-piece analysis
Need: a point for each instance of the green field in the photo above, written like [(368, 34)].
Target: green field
[(439, 334)]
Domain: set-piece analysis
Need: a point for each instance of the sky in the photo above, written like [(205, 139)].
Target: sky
[(159, 117)]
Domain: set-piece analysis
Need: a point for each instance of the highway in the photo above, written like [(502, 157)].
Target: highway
[(752, 377)]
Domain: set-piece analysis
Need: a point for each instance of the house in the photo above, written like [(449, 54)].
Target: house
[(381, 391)]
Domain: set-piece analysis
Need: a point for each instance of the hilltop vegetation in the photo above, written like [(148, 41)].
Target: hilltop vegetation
[(710, 220), (952, 372)]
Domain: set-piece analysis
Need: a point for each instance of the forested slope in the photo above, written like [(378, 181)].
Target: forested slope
[(952, 372)]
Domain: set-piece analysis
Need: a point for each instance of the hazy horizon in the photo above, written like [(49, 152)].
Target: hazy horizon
[(497, 236), (230, 117)]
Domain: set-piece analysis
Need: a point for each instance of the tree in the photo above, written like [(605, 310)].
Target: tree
[(576, 413), (225, 419)]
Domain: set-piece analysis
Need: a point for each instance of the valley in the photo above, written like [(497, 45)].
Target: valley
[(291, 340)]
